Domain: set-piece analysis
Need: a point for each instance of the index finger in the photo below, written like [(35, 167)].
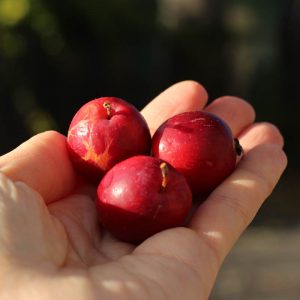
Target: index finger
[(181, 97), (43, 163)]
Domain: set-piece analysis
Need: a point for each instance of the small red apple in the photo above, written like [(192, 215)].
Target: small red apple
[(141, 196), (104, 132), (200, 146)]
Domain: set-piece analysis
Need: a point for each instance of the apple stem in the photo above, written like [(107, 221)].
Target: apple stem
[(238, 147), (108, 109), (164, 172)]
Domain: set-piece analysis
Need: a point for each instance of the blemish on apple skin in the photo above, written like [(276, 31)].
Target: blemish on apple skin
[(80, 129), (100, 159), (196, 120)]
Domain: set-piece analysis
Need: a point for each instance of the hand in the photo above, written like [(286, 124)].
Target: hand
[(51, 246)]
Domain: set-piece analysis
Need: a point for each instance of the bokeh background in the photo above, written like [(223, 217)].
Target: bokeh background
[(56, 55)]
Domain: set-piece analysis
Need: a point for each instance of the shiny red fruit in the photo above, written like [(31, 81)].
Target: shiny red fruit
[(141, 196), (104, 132), (200, 146)]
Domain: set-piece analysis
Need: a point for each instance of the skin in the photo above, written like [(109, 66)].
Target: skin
[(52, 248)]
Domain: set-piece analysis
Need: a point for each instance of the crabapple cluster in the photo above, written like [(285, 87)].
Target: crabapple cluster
[(146, 185)]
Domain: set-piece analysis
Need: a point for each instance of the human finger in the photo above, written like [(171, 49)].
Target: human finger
[(260, 132), (236, 112), (180, 97), (43, 163)]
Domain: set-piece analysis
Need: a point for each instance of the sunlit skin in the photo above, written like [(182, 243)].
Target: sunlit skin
[(51, 245), (104, 132)]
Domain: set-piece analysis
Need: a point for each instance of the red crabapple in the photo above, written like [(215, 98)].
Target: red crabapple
[(104, 132), (141, 196), (200, 146)]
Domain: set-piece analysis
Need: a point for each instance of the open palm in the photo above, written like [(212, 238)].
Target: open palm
[(51, 243)]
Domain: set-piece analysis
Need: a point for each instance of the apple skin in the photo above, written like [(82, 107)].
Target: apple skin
[(200, 146), (132, 203), (98, 139)]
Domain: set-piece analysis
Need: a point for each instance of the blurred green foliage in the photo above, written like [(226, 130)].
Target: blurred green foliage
[(56, 55)]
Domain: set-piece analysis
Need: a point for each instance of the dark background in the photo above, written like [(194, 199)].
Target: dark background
[(56, 55)]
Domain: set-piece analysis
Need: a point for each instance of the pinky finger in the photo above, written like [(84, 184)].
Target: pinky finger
[(260, 133)]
